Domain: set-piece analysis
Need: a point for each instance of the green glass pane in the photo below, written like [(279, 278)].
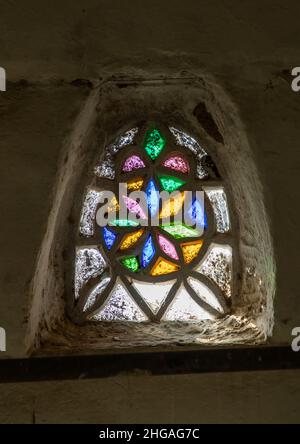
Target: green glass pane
[(180, 231), (131, 262), (170, 183), (123, 223), (154, 143)]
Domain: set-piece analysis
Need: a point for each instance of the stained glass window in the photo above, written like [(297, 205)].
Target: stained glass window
[(164, 252)]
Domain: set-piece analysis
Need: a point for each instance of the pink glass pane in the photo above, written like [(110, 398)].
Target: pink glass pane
[(167, 247), (133, 163), (134, 207), (177, 163)]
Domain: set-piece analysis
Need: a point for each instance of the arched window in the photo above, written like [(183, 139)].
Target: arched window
[(160, 246), (120, 272)]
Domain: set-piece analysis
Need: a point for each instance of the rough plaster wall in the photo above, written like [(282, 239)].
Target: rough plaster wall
[(64, 39), (216, 398), (34, 121), (249, 46), (47, 297)]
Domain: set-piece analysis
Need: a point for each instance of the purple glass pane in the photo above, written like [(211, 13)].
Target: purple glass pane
[(133, 163), (177, 163), (167, 247), (134, 207)]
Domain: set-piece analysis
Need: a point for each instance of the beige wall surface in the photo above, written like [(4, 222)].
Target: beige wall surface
[(258, 397)]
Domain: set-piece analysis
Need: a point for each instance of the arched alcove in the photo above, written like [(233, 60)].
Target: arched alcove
[(203, 110)]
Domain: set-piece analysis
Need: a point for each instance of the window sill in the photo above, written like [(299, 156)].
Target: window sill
[(209, 360)]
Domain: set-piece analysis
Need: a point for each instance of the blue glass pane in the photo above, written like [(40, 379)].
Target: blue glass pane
[(152, 197), (109, 237), (197, 214), (148, 252)]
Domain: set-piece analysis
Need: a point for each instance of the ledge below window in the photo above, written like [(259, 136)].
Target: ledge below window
[(154, 363)]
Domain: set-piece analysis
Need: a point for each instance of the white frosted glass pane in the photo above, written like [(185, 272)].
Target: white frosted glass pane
[(218, 201), (120, 307), (97, 291), (201, 173), (184, 308), (184, 139), (205, 294), (123, 140), (106, 167), (88, 213), (217, 265), (89, 263), (153, 294)]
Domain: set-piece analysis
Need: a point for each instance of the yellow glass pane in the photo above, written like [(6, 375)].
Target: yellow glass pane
[(135, 185), (190, 250), (130, 239), (162, 266), (172, 206), (113, 205)]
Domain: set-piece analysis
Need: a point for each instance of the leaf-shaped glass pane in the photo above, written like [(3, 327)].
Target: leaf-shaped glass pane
[(154, 143), (148, 252), (152, 197), (134, 207), (130, 239), (167, 247)]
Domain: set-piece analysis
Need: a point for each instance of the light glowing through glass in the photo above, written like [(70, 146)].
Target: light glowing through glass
[(172, 206), (177, 163), (133, 163), (190, 250), (197, 214), (148, 252), (162, 266), (131, 239), (167, 247), (130, 262), (179, 231), (134, 207), (152, 197), (154, 143), (170, 183), (109, 237)]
